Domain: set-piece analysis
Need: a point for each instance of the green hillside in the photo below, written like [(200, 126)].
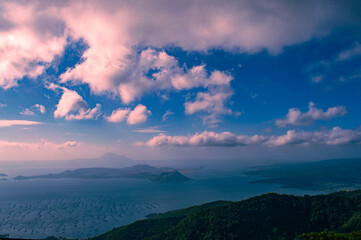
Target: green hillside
[(331, 236), (269, 216)]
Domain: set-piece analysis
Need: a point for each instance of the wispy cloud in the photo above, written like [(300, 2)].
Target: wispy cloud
[(40, 108), (167, 115), (349, 53), (31, 111), (149, 130), (9, 123), (320, 70), (27, 112), (44, 149)]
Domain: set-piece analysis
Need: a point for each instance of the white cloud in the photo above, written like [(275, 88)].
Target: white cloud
[(248, 25), (225, 139), (118, 115), (149, 130), (297, 118), (35, 145), (48, 150), (219, 78), (214, 100), (3, 105), (138, 115), (351, 77), (30, 112), (40, 108), (27, 112), (33, 33), (208, 101), (70, 144), (349, 53), (195, 77), (133, 80), (335, 136), (72, 106), (32, 39), (318, 78), (320, 70), (213, 103), (167, 115), (9, 123)]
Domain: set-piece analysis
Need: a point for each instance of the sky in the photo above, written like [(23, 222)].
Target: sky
[(156, 80)]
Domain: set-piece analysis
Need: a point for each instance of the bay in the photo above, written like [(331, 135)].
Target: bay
[(39, 208)]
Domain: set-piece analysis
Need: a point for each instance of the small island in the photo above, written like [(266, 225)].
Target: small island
[(153, 174), (3, 177), (169, 177)]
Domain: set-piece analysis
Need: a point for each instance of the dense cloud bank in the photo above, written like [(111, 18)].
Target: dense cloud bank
[(124, 41), (335, 136)]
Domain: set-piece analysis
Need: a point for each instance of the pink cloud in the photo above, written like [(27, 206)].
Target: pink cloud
[(48, 150), (224, 139), (37, 32), (72, 106), (335, 136), (9, 123), (136, 116), (296, 117), (27, 44), (118, 115)]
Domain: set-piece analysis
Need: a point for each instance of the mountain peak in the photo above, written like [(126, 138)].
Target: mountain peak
[(112, 155)]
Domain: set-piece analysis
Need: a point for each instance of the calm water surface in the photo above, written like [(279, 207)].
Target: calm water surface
[(83, 208)]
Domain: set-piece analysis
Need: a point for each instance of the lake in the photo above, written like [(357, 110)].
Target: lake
[(38, 208)]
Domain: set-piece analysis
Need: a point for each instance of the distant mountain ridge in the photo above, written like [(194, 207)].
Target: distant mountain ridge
[(137, 171), (326, 175), (3, 177), (108, 160)]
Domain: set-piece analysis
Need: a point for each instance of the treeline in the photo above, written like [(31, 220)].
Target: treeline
[(331, 236), (266, 217)]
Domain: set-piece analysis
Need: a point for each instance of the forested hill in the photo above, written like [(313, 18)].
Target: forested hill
[(269, 216)]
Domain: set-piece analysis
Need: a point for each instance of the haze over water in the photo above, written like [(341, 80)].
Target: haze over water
[(39, 208)]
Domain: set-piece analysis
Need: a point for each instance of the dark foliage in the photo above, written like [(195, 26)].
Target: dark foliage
[(331, 236), (168, 177), (266, 217)]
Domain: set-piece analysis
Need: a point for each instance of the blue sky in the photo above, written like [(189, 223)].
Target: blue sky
[(248, 80)]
